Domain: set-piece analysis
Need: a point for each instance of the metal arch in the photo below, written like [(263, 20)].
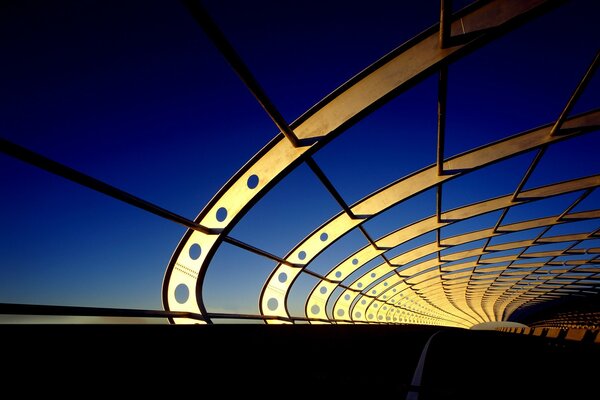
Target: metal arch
[(345, 299), (519, 272), (395, 287), (441, 107), (315, 299), (413, 275), (454, 289), (471, 268), (508, 271), (412, 305), (393, 73), (432, 248), (402, 190), (410, 186)]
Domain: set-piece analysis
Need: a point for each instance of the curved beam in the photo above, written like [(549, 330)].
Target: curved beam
[(317, 303), (343, 303), (403, 189), (395, 72)]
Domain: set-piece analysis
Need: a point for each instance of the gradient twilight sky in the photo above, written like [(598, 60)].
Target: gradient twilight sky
[(133, 93)]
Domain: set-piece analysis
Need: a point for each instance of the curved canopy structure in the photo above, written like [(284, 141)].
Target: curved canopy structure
[(451, 182), (476, 274), (444, 195)]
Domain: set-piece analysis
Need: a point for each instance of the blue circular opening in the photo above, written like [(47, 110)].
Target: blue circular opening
[(282, 277), (340, 312), (315, 309), (323, 237), (338, 274), (272, 304), (195, 251), (302, 255), (347, 297), (323, 290), (252, 181), (221, 214), (355, 261), (182, 293)]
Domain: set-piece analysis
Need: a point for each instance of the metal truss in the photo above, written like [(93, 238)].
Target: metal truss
[(449, 289), (436, 283)]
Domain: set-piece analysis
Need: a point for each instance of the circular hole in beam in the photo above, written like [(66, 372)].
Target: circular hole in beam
[(195, 251), (221, 214), (272, 304), (252, 181), (182, 293), (282, 277)]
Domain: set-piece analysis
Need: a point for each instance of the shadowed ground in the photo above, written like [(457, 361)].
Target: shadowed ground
[(299, 360)]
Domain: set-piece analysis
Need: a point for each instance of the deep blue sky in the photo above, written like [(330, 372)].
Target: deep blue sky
[(133, 93)]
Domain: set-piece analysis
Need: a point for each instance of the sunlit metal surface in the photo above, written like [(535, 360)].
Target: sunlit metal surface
[(422, 286)]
